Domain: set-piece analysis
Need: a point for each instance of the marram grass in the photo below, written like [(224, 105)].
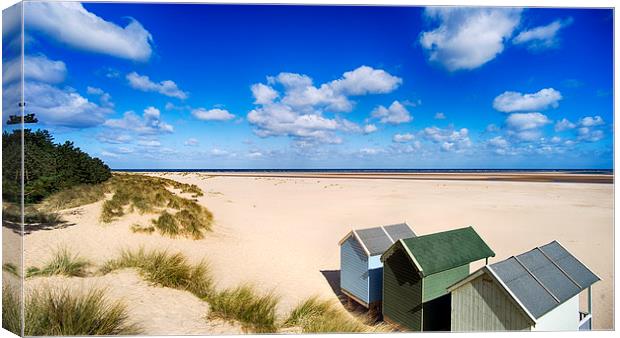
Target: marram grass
[(62, 263), (165, 269), (60, 312), (315, 315), (243, 304)]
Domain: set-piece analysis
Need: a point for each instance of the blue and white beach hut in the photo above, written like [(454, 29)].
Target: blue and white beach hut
[(361, 270)]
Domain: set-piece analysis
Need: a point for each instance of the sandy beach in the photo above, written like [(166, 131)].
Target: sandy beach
[(282, 233)]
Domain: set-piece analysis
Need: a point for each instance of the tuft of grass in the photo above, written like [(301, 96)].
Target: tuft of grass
[(60, 312), (62, 263), (243, 304), (10, 268), (11, 311), (76, 196), (32, 215), (315, 315), (165, 269), (146, 194), (138, 228)]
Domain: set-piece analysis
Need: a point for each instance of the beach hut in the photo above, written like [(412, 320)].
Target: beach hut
[(417, 272), (360, 266), (537, 290)]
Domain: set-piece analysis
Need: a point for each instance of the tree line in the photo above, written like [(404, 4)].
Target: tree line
[(48, 166)]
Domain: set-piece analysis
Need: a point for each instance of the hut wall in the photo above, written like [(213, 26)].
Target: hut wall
[(402, 292), (354, 269), (435, 285), (565, 317), (482, 305), (375, 275)]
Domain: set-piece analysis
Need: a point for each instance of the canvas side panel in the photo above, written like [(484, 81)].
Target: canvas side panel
[(12, 170)]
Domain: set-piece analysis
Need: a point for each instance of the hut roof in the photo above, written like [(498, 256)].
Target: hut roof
[(446, 250), (544, 277), (378, 239)]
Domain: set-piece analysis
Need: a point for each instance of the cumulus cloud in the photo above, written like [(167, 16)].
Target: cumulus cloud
[(526, 126), (369, 128), (113, 138), (215, 114), (589, 134), (401, 138), (440, 116), (149, 143), (298, 110), (36, 68), (591, 121), (396, 113), (144, 83), (509, 102), (467, 38), (150, 123), (448, 138), (105, 99), (564, 124), (263, 94), (72, 24), (61, 107), (542, 37)]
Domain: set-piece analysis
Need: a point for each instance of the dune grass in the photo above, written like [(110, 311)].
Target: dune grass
[(60, 312), (243, 304), (146, 194), (77, 196), (11, 313), (315, 315), (32, 214), (10, 268), (138, 228), (165, 269), (62, 263)]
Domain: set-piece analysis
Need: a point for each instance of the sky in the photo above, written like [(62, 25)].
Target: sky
[(239, 86)]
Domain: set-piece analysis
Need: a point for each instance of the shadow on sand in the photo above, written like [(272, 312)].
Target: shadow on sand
[(333, 279)]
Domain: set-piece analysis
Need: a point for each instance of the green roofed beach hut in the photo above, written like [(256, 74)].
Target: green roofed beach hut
[(417, 272)]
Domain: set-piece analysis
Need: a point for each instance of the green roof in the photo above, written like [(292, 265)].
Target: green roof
[(446, 250)]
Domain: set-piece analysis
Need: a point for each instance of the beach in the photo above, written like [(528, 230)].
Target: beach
[(281, 231)]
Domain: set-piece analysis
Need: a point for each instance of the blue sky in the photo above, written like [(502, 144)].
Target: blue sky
[(216, 86)]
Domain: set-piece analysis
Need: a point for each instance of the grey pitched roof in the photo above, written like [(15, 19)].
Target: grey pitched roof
[(378, 239), (544, 277)]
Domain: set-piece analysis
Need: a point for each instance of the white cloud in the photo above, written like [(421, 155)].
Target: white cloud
[(564, 124), (299, 110), (263, 94), (396, 113), (448, 138), (401, 138), (509, 102), (542, 37), (369, 151), (590, 121), (113, 138), (492, 128), (467, 38), (526, 121), (215, 114), (192, 142), (587, 134), (369, 128), (149, 124), (166, 87), (526, 126), (499, 142), (72, 24), (149, 143), (105, 99), (62, 107), (109, 154), (36, 68), (219, 152), (440, 116), (365, 80), (556, 139)]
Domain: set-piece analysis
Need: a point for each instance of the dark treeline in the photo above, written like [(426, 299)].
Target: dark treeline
[(48, 166)]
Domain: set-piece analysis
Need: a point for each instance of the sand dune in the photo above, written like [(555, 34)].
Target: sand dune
[(282, 233)]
